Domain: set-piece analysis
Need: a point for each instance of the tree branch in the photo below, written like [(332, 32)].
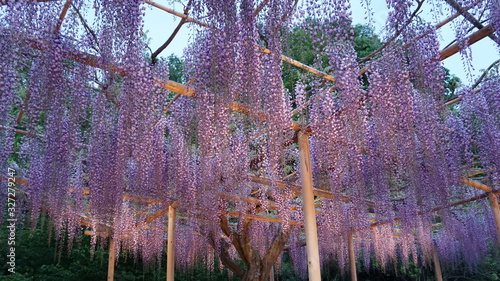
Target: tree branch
[(469, 17), (365, 59), (235, 238), (227, 261), (260, 7), (224, 256), (86, 26), (172, 36), (484, 74), (275, 249), (21, 132)]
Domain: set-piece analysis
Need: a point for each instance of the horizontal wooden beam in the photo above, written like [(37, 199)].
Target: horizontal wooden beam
[(260, 48), (100, 63), (297, 190), (262, 218), (471, 39), (161, 212), (476, 184)]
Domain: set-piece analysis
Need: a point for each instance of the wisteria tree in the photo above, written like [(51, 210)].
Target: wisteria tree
[(101, 137)]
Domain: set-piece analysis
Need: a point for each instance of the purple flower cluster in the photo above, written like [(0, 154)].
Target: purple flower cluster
[(108, 155)]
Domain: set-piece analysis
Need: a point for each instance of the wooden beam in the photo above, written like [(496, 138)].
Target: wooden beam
[(469, 17), (261, 49), (161, 212), (476, 184), (178, 88), (471, 39), (437, 265), (439, 208), (352, 257), (311, 230), (111, 260), (171, 243), (61, 16), (297, 190), (97, 233), (455, 100), (262, 218), (493, 198)]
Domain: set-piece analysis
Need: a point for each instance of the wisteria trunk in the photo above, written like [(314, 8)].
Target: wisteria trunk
[(259, 270), (258, 267)]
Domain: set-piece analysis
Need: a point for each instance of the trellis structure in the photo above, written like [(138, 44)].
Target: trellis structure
[(146, 211)]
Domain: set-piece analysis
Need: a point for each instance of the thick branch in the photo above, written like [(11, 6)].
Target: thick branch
[(244, 241), (224, 256), (86, 26), (235, 238), (169, 40), (227, 261), (275, 249), (23, 108)]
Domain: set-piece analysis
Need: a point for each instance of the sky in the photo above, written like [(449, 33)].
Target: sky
[(160, 25)]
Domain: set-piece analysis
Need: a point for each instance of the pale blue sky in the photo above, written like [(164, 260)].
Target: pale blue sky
[(161, 24)]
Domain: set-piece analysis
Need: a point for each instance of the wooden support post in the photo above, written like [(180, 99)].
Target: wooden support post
[(496, 212), (309, 210), (271, 275), (352, 257), (170, 242), (437, 265), (111, 261)]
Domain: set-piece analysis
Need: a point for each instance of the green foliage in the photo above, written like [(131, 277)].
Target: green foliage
[(299, 46), (176, 68), (488, 269), (365, 40), (451, 84)]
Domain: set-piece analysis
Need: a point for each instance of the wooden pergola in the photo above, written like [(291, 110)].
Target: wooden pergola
[(308, 197)]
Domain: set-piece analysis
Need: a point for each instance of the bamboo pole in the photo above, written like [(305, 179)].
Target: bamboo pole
[(309, 210), (437, 265), (111, 261), (170, 243), (496, 212), (352, 257)]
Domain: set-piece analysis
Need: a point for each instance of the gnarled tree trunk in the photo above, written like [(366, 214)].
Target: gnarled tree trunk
[(258, 267)]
